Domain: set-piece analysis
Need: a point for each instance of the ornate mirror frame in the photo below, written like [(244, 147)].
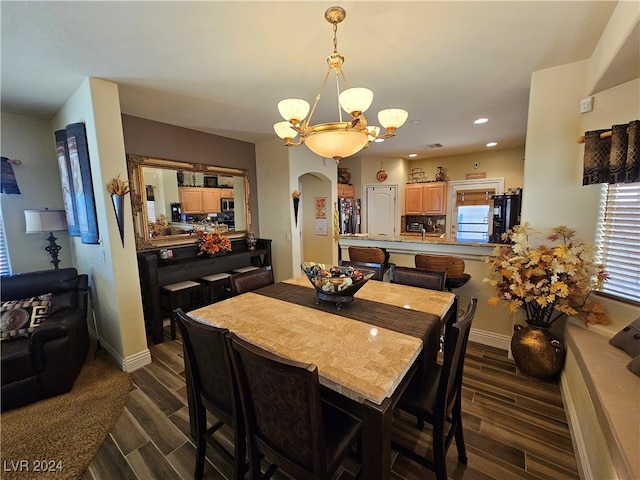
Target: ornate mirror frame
[(135, 164)]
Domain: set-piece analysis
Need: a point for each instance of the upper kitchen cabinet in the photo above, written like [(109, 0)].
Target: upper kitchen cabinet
[(199, 200), (426, 198), (346, 191)]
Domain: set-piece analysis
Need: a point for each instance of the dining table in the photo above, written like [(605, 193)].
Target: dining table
[(366, 350)]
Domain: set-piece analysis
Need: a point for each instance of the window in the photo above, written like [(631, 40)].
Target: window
[(619, 240), (5, 268)]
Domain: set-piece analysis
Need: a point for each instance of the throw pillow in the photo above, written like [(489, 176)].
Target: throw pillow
[(634, 365), (21, 317), (628, 339)]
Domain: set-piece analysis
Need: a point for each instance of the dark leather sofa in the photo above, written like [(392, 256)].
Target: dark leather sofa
[(47, 362)]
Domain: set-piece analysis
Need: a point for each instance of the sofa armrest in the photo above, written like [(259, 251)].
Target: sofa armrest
[(64, 323)]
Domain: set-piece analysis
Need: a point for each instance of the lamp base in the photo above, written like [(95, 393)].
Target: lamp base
[(53, 250)]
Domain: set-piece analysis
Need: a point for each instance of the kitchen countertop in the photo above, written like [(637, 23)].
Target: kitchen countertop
[(417, 238)]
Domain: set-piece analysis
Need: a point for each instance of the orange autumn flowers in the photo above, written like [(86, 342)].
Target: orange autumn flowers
[(212, 242)]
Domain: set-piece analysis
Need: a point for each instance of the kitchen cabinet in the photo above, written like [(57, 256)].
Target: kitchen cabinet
[(346, 191), (190, 199), (426, 198), (226, 192), (199, 199)]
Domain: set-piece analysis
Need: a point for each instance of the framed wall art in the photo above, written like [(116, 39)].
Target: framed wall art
[(79, 179), (67, 187)]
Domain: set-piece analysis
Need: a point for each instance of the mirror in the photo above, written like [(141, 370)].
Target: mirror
[(169, 198)]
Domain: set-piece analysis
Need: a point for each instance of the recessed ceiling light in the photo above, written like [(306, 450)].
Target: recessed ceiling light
[(411, 155), (415, 120), (481, 120), (492, 144)]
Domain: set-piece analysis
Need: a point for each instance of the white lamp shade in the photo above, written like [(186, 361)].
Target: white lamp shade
[(293, 109), (392, 118), (336, 143), (284, 130), (38, 221), (356, 99)]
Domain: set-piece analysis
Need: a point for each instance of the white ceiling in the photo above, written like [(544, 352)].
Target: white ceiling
[(222, 66)]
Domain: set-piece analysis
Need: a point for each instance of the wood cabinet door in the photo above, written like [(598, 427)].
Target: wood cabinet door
[(226, 193), (435, 198), (413, 199), (211, 200), (191, 199), (346, 191)]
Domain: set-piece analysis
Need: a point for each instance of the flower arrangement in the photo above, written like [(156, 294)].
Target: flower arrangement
[(212, 242), (117, 186), (545, 279), (159, 227)]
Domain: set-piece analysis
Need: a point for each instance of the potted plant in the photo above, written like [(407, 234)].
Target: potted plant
[(547, 282), (212, 243)]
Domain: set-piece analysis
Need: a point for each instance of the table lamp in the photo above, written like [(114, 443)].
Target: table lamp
[(41, 221)]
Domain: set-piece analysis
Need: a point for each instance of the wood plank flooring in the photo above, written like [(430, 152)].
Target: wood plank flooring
[(514, 427)]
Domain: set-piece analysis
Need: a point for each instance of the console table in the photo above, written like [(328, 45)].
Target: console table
[(186, 264)]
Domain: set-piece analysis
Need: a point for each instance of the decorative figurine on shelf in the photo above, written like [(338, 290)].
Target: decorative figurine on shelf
[(251, 241), (439, 175)]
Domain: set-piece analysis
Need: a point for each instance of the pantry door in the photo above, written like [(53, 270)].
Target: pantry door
[(381, 209)]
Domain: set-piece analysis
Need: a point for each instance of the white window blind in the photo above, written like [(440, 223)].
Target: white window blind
[(619, 241), (4, 255)]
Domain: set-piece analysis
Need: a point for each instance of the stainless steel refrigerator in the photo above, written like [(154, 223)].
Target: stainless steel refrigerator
[(349, 215)]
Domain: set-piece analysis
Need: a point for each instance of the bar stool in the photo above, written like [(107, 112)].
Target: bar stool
[(248, 268), (184, 295), (454, 266), (218, 286)]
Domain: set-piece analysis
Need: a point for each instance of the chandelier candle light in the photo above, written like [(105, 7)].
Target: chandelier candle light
[(339, 139)]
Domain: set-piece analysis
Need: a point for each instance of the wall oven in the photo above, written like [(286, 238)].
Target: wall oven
[(226, 204)]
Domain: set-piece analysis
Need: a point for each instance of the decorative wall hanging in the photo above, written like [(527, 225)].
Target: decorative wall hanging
[(118, 189), (612, 156), (80, 180), (9, 184), (68, 194), (296, 203)]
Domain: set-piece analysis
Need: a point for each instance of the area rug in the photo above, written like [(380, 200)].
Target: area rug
[(58, 437)]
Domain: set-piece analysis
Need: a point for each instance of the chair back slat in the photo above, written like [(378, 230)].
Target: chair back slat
[(367, 254), (251, 280), (418, 277), (454, 266)]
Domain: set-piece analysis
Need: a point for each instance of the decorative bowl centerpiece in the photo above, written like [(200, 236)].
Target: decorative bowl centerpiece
[(335, 284)]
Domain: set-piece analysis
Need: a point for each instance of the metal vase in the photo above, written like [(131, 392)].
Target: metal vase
[(118, 207), (536, 351)]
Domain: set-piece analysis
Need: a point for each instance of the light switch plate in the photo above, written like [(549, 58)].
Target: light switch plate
[(586, 105)]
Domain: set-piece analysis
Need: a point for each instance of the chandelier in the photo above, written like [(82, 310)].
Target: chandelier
[(339, 139)]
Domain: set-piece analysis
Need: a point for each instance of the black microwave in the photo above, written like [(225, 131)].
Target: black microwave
[(226, 204)]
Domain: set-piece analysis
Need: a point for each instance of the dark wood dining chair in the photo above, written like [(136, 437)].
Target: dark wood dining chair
[(251, 280), (417, 277), (374, 267), (454, 266), (212, 387), (437, 399), (286, 419)]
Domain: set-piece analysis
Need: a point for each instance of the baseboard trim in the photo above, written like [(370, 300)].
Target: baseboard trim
[(577, 437), (491, 339), (130, 363)]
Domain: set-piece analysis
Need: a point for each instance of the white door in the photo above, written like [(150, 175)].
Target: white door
[(381, 210)]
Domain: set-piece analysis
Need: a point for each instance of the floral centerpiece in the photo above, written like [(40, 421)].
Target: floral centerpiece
[(160, 227), (547, 281), (212, 243)]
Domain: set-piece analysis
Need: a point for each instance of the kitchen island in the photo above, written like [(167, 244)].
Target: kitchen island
[(493, 325)]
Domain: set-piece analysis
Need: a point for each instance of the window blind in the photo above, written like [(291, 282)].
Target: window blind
[(619, 240), (4, 255)]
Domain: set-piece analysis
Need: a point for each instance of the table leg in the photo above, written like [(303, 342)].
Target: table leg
[(376, 440)]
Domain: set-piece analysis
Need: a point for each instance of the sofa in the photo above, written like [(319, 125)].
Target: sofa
[(44, 356)]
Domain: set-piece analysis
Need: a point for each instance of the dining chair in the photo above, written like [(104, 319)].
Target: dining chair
[(417, 277), (377, 268), (211, 387), (454, 266), (369, 255), (437, 399), (251, 280), (286, 420)]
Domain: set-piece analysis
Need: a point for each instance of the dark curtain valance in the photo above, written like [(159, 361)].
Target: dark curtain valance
[(612, 156)]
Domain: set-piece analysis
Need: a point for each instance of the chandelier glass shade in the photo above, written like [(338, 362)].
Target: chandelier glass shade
[(342, 138)]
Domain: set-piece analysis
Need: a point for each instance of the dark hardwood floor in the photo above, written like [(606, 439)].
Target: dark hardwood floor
[(514, 427)]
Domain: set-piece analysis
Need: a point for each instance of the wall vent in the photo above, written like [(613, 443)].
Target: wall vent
[(432, 145)]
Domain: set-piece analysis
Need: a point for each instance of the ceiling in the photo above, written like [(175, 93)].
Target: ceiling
[(221, 67)]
